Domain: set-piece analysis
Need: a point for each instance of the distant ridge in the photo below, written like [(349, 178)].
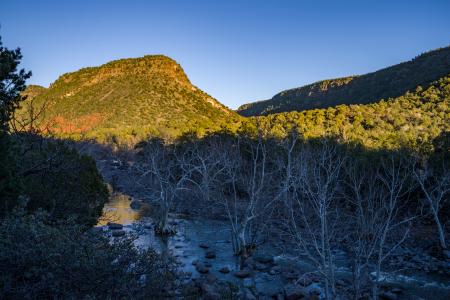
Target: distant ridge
[(372, 87)]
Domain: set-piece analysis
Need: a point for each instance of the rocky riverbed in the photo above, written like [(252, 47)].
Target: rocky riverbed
[(208, 267)]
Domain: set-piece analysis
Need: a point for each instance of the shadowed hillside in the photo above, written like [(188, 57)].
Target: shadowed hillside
[(369, 88), (126, 99)]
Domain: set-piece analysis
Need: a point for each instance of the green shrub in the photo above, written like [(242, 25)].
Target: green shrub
[(39, 261)]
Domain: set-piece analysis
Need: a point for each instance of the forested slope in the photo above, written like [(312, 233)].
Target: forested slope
[(393, 81)]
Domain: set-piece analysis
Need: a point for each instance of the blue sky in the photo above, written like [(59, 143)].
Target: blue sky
[(237, 51)]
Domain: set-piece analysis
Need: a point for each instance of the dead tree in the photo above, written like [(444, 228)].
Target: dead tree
[(312, 212), (365, 201), (435, 185), (393, 219), (160, 174), (244, 195), (205, 162)]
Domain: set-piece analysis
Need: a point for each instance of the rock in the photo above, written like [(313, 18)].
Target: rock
[(275, 270), (388, 296), (290, 274), (114, 226), (249, 262), (117, 233), (293, 292), (166, 231), (96, 230), (396, 290), (242, 273), (209, 292), (446, 254), (203, 245), (224, 270), (116, 163), (195, 262), (211, 279), (148, 226), (414, 297), (248, 295), (260, 266), (207, 264), (340, 282), (263, 258), (201, 268), (248, 282), (191, 289), (135, 204), (210, 254)]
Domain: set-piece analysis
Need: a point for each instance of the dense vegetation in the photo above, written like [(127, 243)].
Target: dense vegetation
[(390, 82), (412, 120), (127, 100), (50, 196), (42, 261)]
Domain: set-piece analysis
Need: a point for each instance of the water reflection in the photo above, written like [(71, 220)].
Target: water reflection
[(118, 210)]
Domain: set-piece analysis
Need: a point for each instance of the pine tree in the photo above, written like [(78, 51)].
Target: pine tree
[(12, 83)]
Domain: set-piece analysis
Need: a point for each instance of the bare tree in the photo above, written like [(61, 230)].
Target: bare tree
[(245, 196), (205, 162), (160, 174), (393, 217), (312, 212), (379, 219), (364, 196), (435, 185)]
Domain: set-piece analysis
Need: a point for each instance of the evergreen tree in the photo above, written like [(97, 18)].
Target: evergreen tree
[(12, 83)]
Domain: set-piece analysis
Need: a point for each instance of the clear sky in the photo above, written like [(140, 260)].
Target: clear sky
[(237, 51)]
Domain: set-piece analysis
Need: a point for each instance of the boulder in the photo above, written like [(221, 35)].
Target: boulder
[(117, 233), (260, 266), (135, 204), (114, 226), (242, 273), (210, 254), (309, 278), (263, 258), (248, 282), (201, 268), (290, 274), (389, 296), (207, 264), (211, 279), (249, 262), (203, 245), (248, 295), (224, 270), (293, 292), (275, 270)]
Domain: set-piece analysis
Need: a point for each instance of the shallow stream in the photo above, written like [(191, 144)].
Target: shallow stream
[(185, 247)]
